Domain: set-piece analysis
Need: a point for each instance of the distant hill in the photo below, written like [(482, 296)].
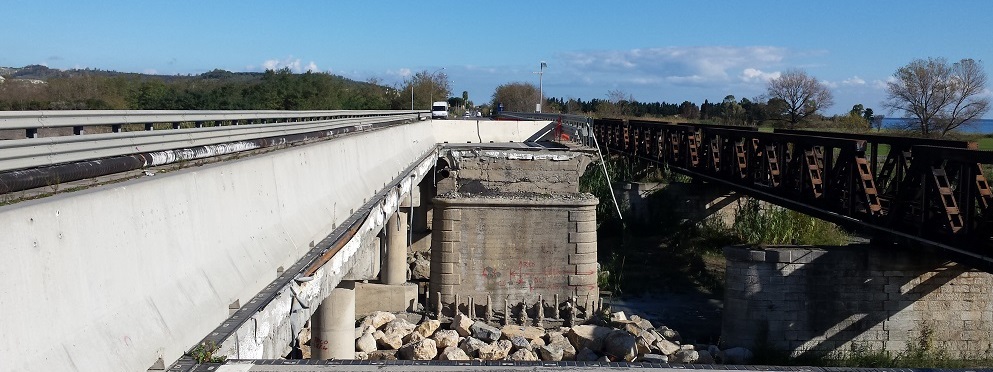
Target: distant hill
[(44, 73)]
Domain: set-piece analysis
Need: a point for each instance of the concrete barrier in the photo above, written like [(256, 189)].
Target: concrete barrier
[(114, 278), (485, 131)]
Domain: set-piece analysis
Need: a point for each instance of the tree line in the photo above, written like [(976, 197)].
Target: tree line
[(214, 90), (933, 96)]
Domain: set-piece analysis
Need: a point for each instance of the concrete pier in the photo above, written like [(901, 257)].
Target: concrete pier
[(395, 268), (333, 325)]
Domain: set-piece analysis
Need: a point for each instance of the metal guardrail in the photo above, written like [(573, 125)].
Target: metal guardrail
[(189, 129), (31, 121)]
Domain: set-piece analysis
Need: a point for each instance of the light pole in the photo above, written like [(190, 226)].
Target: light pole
[(411, 94), (431, 99), (541, 96)]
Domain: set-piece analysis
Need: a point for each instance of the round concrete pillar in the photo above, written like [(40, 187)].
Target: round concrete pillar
[(395, 270), (332, 327)]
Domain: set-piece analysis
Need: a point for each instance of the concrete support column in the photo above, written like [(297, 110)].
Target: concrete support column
[(420, 218), (395, 269), (333, 325)]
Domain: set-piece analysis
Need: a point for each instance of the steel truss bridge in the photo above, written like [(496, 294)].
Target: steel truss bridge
[(914, 192), (928, 193)]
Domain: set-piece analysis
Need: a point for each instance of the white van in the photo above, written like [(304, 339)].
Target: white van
[(439, 110)]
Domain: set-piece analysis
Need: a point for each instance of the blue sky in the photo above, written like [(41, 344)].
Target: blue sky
[(652, 50)]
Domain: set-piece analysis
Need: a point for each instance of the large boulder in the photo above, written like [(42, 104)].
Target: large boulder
[(364, 329), (400, 327), (519, 342), (588, 336), (666, 347), (366, 343), (523, 355), (471, 346), (446, 338), (378, 319), (528, 332), (461, 324), (382, 355), (412, 337), (586, 355), (485, 332), (641, 322), (453, 353), (550, 353), (390, 341), (495, 351), (420, 267), (556, 339), (735, 355), (620, 345), (685, 356), (424, 349), (669, 334), (426, 328)]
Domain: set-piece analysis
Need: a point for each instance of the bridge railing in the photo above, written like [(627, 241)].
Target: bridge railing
[(576, 127), (126, 140), (926, 192)]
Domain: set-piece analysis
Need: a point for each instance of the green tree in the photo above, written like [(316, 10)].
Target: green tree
[(515, 97)]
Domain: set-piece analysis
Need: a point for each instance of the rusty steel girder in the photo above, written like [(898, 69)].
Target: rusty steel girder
[(927, 192)]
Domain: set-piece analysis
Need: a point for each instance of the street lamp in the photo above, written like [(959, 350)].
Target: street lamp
[(431, 99), (541, 96)]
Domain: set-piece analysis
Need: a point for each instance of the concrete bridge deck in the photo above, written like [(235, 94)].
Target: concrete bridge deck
[(129, 275)]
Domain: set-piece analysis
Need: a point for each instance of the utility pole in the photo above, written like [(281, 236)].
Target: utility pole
[(541, 95)]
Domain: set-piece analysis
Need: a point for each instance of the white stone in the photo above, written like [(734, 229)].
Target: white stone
[(523, 355), (446, 338), (427, 327), (378, 319), (461, 324), (453, 353), (550, 353), (421, 350), (365, 343)]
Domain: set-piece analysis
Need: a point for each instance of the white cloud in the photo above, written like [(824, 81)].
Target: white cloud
[(403, 72), (830, 84), (294, 65), (150, 71), (751, 75), (854, 80), (697, 66)]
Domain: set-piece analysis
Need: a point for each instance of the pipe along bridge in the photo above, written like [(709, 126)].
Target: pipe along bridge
[(925, 193)]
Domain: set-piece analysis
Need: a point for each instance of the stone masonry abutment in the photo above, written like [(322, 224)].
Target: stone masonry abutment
[(819, 300)]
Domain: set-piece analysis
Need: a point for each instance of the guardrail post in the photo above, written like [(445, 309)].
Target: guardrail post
[(78, 130), (31, 133), (149, 126)]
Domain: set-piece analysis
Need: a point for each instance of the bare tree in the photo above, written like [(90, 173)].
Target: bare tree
[(803, 96), (937, 97), (515, 97)]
